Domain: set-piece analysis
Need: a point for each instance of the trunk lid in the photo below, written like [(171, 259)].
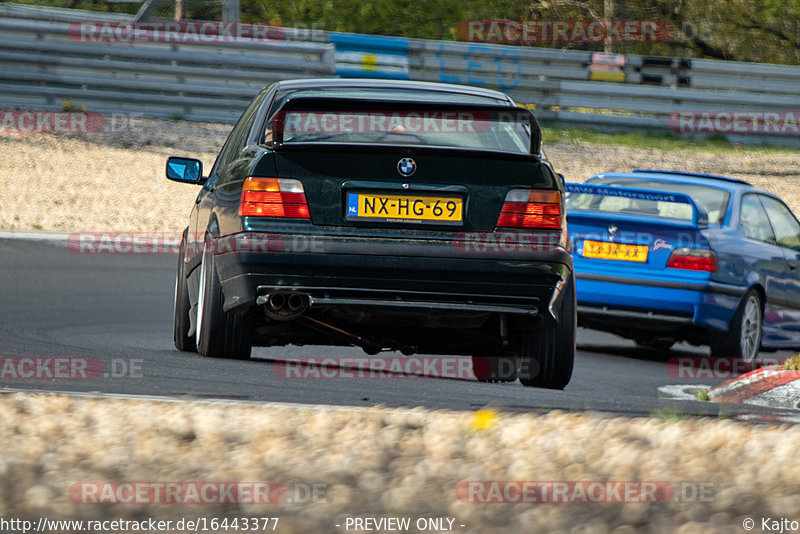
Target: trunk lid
[(637, 236), (467, 183)]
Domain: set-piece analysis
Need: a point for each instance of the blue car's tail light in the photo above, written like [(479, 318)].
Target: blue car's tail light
[(527, 208), (693, 259), (273, 197)]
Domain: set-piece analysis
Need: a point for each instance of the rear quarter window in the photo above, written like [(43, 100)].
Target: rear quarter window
[(784, 224), (753, 220)]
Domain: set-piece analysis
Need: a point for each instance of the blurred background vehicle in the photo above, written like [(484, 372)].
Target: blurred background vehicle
[(666, 256)]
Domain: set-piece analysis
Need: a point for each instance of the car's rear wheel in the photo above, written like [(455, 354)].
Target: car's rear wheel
[(549, 355), (219, 334), (181, 324), (743, 340), (495, 367)]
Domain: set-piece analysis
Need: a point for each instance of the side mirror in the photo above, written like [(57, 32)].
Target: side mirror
[(185, 170)]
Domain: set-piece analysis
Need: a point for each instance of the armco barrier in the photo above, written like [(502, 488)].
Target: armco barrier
[(41, 66)]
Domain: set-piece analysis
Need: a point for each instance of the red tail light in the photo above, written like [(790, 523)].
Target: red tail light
[(273, 197), (529, 208), (693, 259)]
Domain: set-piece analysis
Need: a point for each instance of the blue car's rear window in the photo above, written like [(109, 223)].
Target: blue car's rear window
[(714, 200)]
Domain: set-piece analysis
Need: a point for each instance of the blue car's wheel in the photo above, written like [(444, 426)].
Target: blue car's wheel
[(743, 340)]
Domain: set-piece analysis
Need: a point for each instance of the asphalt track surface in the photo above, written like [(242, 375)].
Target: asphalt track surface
[(117, 309)]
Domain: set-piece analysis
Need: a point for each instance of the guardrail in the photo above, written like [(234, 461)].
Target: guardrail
[(42, 67), (610, 89), (213, 81)]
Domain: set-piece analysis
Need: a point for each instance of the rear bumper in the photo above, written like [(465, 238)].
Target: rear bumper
[(656, 302), (378, 273)]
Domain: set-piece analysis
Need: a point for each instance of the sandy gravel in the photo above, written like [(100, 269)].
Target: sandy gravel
[(114, 180), (398, 463), (104, 181)]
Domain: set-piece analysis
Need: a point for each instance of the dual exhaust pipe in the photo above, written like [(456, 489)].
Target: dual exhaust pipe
[(285, 306)]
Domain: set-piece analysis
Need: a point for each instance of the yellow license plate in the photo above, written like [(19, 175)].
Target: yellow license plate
[(404, 208), (614, 251)]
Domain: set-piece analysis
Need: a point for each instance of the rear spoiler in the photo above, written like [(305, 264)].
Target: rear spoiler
[(699, 214), (276, 122)]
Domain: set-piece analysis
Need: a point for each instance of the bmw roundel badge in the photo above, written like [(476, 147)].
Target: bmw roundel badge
[(406, 166)]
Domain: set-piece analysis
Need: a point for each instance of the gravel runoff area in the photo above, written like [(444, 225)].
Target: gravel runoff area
[(394, 463), (113, 180)]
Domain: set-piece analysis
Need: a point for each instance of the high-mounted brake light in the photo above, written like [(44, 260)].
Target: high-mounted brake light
[(530, 208), (693, 259), (273, 197)]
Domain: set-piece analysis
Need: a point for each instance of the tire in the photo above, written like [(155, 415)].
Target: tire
[(743, 340), (181, 323), (549, 355), (219, 334), (495, 368)]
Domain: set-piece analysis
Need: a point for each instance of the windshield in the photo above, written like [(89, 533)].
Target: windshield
[(713, 200)]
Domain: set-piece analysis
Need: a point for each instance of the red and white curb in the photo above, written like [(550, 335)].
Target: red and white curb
[(769, 386)]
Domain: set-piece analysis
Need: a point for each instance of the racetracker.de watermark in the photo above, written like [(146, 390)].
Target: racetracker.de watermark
[(50, 122), (735, 121), (582, 492), (497, 242), (170, 242), (297, 123), (715, 368), (176, 32), (22, 122), (194, 492), (506, 242), (534, 32), (378, 367), (124, 242), (68, 368)]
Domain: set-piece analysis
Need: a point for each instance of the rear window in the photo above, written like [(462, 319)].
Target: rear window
[(384, 125), (715, 201)]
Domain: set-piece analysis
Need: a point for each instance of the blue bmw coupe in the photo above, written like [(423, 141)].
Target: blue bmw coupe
[(666, 256)]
